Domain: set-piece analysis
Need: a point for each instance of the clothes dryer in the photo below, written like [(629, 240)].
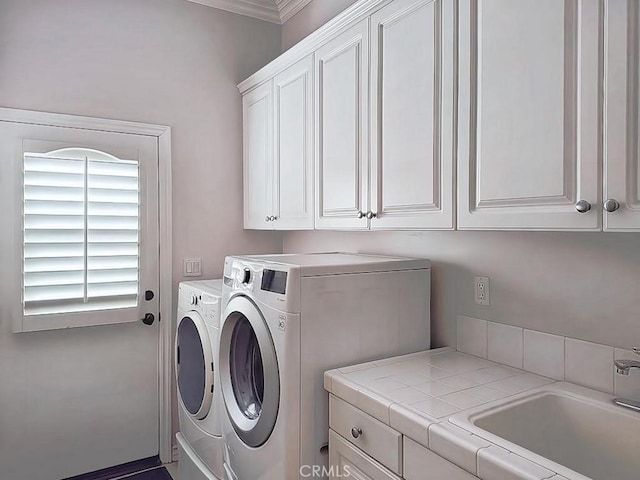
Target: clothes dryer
[(286, 320), (200, 443)]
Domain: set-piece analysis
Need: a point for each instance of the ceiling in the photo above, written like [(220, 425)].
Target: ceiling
[(276, 11)]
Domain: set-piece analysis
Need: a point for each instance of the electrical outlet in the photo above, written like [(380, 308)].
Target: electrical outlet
[(192, 267), (481, 288)]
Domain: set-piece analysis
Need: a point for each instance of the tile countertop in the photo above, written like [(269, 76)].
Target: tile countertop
[(417, 393)]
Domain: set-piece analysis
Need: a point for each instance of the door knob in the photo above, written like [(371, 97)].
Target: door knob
[(148, 319), (148, 295), (583, 206), (611, 205)]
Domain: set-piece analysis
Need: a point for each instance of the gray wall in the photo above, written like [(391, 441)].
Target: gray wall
[(168, 62), (583, 285)]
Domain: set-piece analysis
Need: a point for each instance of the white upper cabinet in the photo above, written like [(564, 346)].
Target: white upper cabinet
[(342, 68), (363, 124), (412, 112), (528, 119), (278, 151), (293, 167), (621, 193), (257, 109)]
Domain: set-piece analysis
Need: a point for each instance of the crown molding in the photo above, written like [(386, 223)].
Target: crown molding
[(274, 11), (261, 9), (356, 12), (288, 8)]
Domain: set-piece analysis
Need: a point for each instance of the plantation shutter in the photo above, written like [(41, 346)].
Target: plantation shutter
[(81, 232)]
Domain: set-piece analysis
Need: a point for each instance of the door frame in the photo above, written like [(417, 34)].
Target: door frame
[(163, 135)]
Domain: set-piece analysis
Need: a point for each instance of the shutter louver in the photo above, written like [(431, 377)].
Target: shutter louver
[(81, 232)]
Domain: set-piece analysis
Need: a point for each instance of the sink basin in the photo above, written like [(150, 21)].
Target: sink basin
[(573, 431)]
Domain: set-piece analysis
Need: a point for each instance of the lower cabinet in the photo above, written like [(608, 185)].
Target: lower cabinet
[(347, 461), (363, 448), (421, 463)]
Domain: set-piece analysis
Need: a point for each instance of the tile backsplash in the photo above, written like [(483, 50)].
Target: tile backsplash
[(561, 358)]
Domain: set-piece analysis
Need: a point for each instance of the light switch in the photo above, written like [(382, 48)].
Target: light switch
[(192, 267)]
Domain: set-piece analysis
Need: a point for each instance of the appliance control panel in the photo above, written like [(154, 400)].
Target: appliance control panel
[(270, 283), (274, 281)]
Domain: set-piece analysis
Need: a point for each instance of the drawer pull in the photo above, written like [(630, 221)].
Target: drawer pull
[(356, 432)]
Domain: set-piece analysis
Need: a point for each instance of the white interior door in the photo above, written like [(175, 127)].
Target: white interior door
[(529, 96), (79, 249)]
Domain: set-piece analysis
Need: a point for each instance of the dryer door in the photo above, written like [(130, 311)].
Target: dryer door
[(194, 365), (249, 373)]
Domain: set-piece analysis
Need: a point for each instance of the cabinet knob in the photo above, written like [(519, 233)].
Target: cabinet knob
[(371, 215), (272, 218), (356, 432), (360, 214), (611, 205), (583, 206), (268, 219)]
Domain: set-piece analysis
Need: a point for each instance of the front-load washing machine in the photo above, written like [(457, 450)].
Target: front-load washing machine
[(200, 443), (286, 320)]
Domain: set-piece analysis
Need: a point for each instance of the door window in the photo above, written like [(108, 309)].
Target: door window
[(191, 366), (81, 231), (247, 373)]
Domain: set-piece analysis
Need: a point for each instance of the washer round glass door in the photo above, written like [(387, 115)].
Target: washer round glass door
[(194, 362), (249, 372)]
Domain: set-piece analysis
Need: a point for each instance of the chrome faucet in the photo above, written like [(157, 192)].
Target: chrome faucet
[(622, 368)]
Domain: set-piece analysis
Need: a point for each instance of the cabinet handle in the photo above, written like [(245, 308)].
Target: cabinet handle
[(371, 215), (583, 206), (356, 432), (611, 205), (360, 214)]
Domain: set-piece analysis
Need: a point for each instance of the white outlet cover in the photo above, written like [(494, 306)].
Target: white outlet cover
[(481, 290)]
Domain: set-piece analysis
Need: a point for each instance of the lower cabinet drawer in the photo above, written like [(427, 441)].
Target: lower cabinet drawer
[(422, 464), (348, 462), (368, 434)]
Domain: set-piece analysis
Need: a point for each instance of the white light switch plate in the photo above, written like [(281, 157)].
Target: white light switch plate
[(192, 267)]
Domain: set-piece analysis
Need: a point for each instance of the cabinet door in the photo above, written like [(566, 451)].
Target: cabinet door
[(347, 461), (257, 111), (529, 96), (412, 95), (422, 464), (622, 116), (342, 67), (293, 166)]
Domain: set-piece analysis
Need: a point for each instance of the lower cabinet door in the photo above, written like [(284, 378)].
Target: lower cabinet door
[(347, 461), (422, 464)]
